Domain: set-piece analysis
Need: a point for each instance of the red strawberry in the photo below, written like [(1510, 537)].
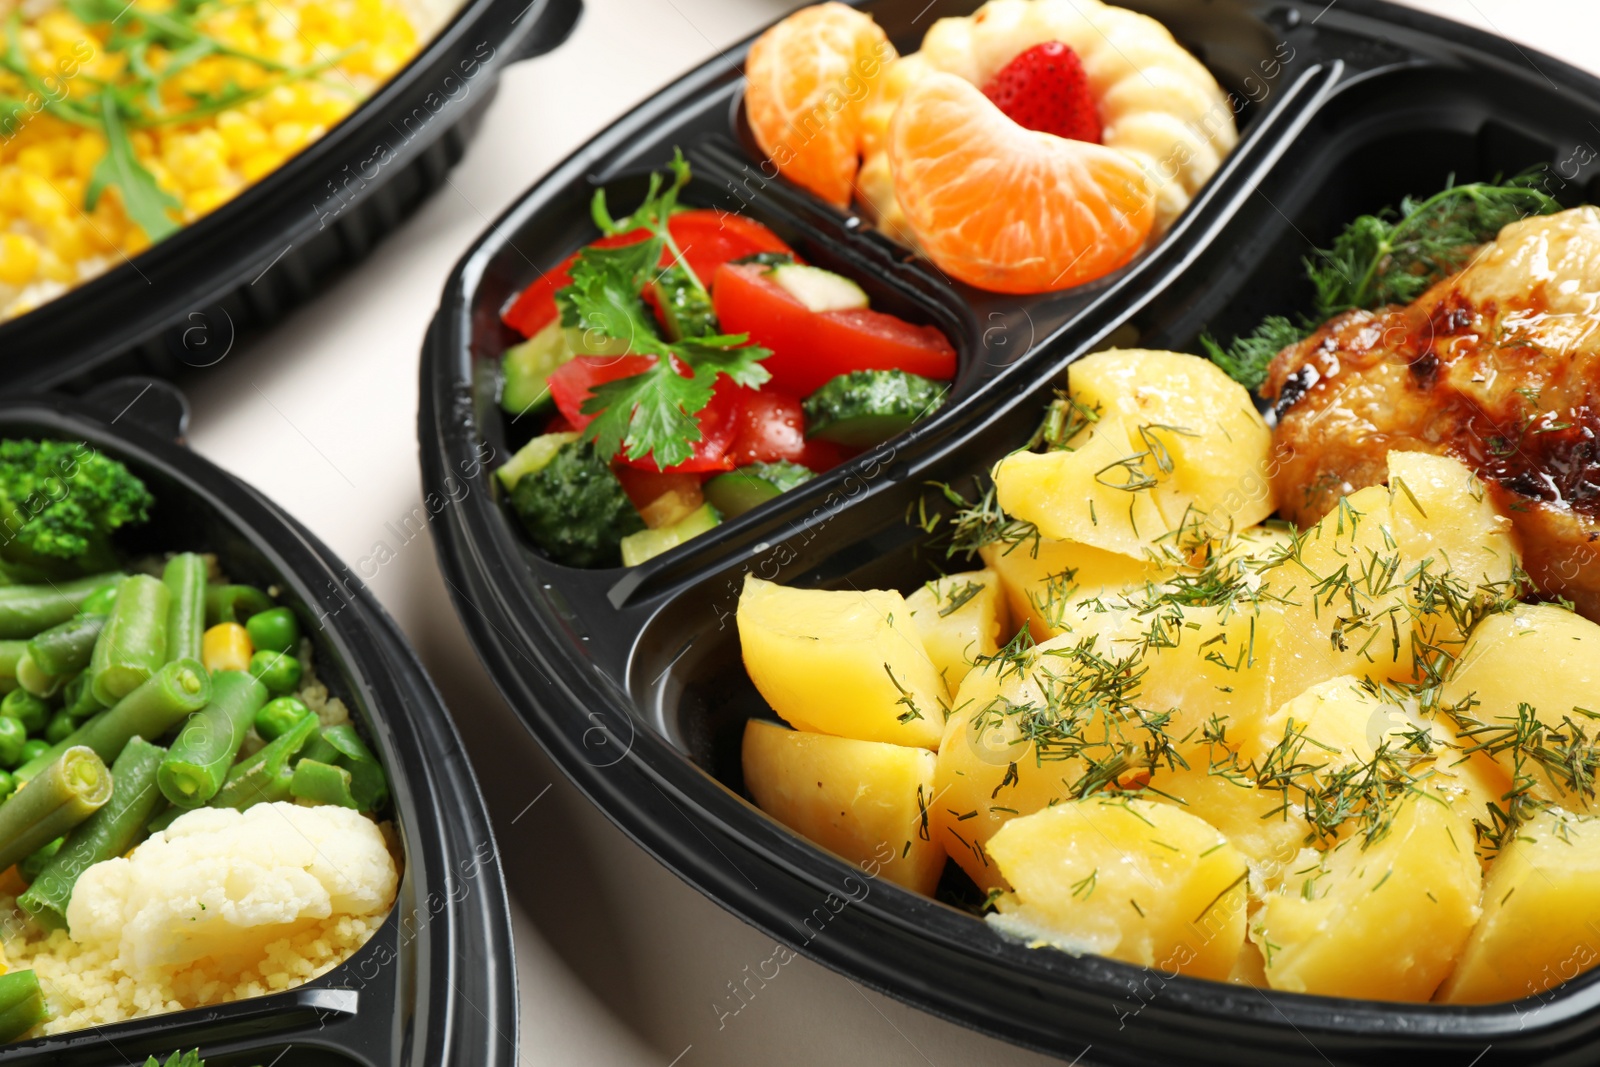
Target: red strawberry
[(1045, 89)]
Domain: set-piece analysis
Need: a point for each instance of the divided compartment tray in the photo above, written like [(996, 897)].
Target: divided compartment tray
[(186, 301), (436, 983), (632, 679)]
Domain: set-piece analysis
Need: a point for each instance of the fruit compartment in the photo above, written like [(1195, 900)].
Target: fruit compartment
[(636, 685), (376, 1006)]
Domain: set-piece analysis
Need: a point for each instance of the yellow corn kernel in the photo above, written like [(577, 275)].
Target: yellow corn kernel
[(260, 165), (65, 239), (87, 151), (40, 200), (19, 258), (53, 268), (37, 159), (204, 201), (226, 647), (243, 135)]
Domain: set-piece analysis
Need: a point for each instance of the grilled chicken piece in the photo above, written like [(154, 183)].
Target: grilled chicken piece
[(1498, 365)]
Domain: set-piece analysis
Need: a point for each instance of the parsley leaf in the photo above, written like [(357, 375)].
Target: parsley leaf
[(178, 1059), (651, 413)]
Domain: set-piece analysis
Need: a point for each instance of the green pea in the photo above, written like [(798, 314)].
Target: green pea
[(278, 672), (27, 709), (59, 727), (277, 716), (274, 630), (8, 784), (13, 735), (32, 750)]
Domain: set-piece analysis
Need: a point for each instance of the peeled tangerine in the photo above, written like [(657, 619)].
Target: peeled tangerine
[(1006, 208), (1540, 902), (960, 617), (1135, 880), (864, 800), (1494, 673), (1353, 587), (991, 766), (846, 662), (1384, 920), (1178, 447), (809, 79)]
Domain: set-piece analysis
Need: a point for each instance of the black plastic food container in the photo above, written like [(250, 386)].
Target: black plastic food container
[(244, 266), (632, 678), (436, 984)]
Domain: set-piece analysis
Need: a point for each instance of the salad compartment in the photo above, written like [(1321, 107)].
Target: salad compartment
[(422, 990), (632, 679)]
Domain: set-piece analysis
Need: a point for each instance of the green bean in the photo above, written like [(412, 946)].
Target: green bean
[(158, 705), (108, 833), (265, 775), (322, 783), (77, 698), (278, 715), (199, 760), (11, 653), (63, 794), (99, 602), (31, 711), (166, 818), (67, 648), (22, 1005), (368, 784), (185, 579), (234, 603), (133, 645), (30, 867), (31, 678), (27, 609)]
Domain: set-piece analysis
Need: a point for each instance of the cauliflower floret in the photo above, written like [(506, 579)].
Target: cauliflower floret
[(223, 884)]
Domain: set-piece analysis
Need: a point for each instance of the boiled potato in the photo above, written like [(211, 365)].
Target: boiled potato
[(1215, 441), (1254, 820), (1384, 919), (864, 800), (960, 617), (1439, 511), (1131, 879), (1097, 493), (1541, 900), (991, 768), (846, 662), (1542, 656), (1339, 724), (1047, 581)]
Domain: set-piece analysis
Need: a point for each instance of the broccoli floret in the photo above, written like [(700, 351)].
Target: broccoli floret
[(575, 509), (60, 501)]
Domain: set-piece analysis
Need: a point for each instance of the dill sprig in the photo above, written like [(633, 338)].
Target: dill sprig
[(1391, 257)]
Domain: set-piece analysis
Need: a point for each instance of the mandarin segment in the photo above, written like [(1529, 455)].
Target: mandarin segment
[(1008, 209), (809, 80)]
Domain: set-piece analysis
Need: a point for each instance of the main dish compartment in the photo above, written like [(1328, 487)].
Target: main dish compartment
[(634, 680)]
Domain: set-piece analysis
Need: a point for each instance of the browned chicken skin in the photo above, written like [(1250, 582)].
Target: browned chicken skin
[(1498, 366)]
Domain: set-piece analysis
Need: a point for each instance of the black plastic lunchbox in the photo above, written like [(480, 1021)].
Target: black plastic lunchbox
[(183, 301), (436, 984), (632, 678)]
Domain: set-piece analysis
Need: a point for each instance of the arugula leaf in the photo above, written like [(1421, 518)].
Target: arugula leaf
[(145, 202), (1246, 360)]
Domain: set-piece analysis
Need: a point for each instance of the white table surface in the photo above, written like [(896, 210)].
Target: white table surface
[(620, 963)]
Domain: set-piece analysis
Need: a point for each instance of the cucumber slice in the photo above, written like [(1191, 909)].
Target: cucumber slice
[(685, 307), (740, 490), (526, 369), (532, 457), (818, 289), (866, 407), (638, 547)]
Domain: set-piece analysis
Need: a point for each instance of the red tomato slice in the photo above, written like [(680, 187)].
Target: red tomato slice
[(719, 423), (809, 348), (535, 307), (820, 455), (571, 382), (645, 487), (771, 427), (708, 239)]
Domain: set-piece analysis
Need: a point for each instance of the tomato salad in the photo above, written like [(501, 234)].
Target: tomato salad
[(687, 366)]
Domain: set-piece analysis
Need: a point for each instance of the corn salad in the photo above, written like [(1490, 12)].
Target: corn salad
[(322, 58)]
